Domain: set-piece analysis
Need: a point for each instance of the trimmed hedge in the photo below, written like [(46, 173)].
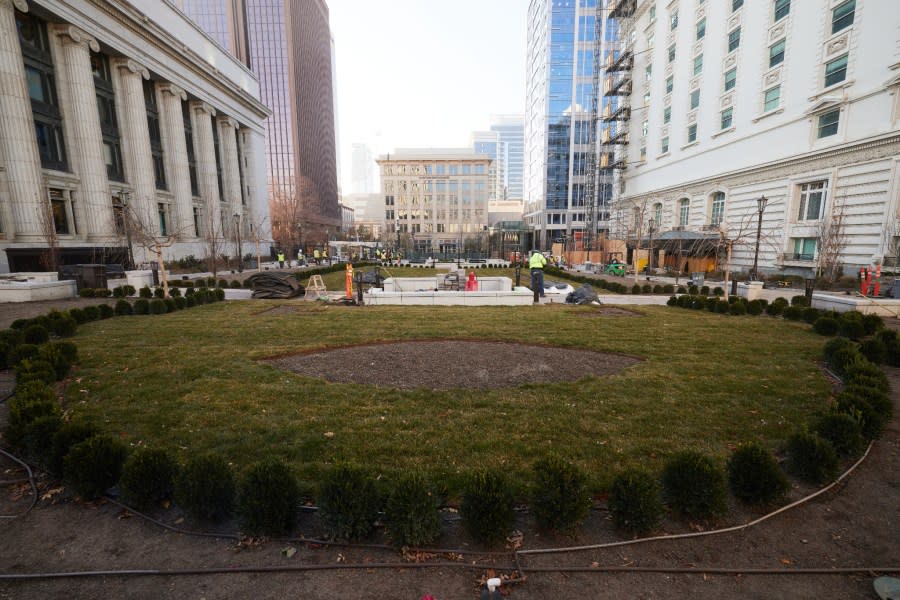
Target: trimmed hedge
[(635, 502), (268, 496), (148, 477), (205, 488), (694, 485), (93, 466), (560, 499), (348, 502), (754, 476), (487, 507), (411, 516)]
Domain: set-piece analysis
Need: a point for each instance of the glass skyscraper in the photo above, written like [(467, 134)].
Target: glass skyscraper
[(287, 44), (567, 181), (511, 132)]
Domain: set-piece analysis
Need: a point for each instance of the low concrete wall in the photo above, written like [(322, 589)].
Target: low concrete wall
[(31, 291), (519, 297), (870, 306), (424, 284), (751, 290)]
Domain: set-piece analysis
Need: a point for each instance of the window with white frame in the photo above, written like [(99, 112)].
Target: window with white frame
[(776, 53), (684, 212), (645, 127), (701, 29), (772, 98), (643, 153), (695, 99), (842, 16), (803, 248), (665, 145), (736, 4), (730, 79), (657, 214), (698, 64), (726, 120), (828, 123), (673, 19), (667, 114), (670, 83), (782, 8), (717, 214), (652, 14), (672, 53), (836, 71), (812, 200), (692, 133), (734, 39)]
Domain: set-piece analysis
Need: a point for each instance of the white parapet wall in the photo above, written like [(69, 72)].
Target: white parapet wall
[(883, 307), (31, 287)]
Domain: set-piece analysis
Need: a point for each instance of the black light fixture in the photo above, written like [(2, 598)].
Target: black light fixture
[(761, 207)]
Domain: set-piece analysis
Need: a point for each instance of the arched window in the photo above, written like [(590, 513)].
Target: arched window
[(684, 212), (718, 209)]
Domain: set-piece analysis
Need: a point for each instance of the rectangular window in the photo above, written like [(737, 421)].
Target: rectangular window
[(718, 209), (60, 212), (156, 149), (736, 4), (842, 16), (218, 154), (726, 118), (196, 221), (695, 99), (828, 123), (772, 99), (649, 72), (812, 200), (698, 65), (643, 152), (701, 29), (782, 8), (652, 14), (670, 83), (836, 71), (776, 54), (730, 79), (673, 21), (645, 127), (684, 212), (665, 144), (672, 53), (804, 249), (734, 39), (692, 133), (189, 143), (667, 114)]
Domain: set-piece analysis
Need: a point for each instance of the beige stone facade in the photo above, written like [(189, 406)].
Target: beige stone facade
[(106, 110)]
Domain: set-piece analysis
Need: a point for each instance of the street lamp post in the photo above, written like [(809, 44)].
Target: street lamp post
[(651, 226), (237, 236), (397, 229), (761, 207)]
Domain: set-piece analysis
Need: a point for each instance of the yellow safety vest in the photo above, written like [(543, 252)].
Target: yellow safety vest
[(537, 261)]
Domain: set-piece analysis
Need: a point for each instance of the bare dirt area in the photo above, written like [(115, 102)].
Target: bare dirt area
[(856, 525), (453, 364)]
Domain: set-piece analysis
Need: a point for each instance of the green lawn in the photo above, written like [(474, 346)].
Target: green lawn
[(191, 381)]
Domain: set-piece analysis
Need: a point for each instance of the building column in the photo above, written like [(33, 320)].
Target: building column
[(86, 146), (205, 153), (231, 179), (175, 149), (18, 147), (136, 155)]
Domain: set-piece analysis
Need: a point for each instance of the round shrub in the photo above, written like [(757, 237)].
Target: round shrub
[(851, 325), (738, 308), (668, 289), (887, 336), (636, 289), (55, 355), (158, 292), (201, 283), (646, 288), (106, 311), (681, 290), (86, 292), (92, 313), (672, 301), (800, 301), (223, 283), (560, 498), (189, 301), (158, 307), (78, 315), (220, 294), (871, 407), (235, 284), (129, 290), (634, 501), (826, 326), (68, 349), (658, 289), (118, 292), (704, 291), (348, 502), (832, 346), (23, 411), (65, 326), (267, 499), (810, 315), (874, 350), (722, 307), (68, 435), (93, 466), (693, 290), (754, 476), (754, 307), (843, 431), (693, 485), (711, 303), (174, 292), (35, 369), (146, 292), (36, 334), (180, 303), (718, 291), (774, 310), (38, 440), (487, 507), (811, 458), (148, 477), (170, 305), (864, 373), (123, 308), (872, 324), (22, 352), (102, 292), (793, 313), (411, 515), (205, 488), (141, 306), (843, 358)]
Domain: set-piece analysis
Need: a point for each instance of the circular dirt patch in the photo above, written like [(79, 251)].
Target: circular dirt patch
[(451, 364)]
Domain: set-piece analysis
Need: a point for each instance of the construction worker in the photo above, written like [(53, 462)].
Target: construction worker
[(299, 257), (316, 255), (325, 256), (536, 263), (281, 259)]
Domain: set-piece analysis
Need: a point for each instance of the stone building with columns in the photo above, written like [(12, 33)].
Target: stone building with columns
[(116, 117)]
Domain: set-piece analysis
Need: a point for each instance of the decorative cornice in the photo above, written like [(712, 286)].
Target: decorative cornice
[(76, 36), (132, 66), (171, 88)]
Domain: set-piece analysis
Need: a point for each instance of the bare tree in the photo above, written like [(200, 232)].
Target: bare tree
[(742, 235), (140, 224), (50, 259), (832, 233), (258, 236), (890, 246)]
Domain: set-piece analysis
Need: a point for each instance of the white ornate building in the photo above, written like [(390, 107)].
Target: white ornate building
[(731, 101), (109, 108)]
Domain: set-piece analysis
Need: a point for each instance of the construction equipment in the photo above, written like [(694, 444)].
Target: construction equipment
[(315, 289)]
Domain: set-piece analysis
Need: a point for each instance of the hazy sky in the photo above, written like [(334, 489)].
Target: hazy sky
[(424, 73)]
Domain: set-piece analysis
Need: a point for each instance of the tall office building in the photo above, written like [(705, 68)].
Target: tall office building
[(287, 44), (775, 120), (120, 126), (362, 167), (511, 132), (489, 144), (566, 180)]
